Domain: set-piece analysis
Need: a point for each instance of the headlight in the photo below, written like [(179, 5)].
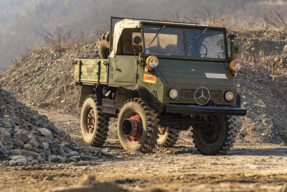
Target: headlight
[(152, 62), (235, 66), (229, 95), (173, 93)]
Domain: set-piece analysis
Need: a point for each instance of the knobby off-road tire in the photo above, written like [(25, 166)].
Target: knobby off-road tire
[(147, 134), (104, 45), (210, 141), (94, 123), (167, 136)]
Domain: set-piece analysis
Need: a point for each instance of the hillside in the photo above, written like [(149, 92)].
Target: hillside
[(44, 79)]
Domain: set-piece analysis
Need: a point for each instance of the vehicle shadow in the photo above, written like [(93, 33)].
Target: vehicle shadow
[(280, 151), (277, 151)]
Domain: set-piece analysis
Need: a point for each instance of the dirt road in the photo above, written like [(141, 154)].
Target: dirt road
[(246, 167)]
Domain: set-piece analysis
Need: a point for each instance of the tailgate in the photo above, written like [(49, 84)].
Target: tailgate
[(91, 71)]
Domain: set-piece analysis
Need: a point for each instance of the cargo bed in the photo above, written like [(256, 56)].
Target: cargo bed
[(91, 71)]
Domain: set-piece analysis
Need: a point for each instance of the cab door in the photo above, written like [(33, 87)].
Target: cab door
[(125, 61), (125, 68)]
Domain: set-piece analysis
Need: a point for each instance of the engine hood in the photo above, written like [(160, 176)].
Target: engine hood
[(195, 73)]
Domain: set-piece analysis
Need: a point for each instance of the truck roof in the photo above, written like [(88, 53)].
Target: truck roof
[(175, 24), (167, 23)]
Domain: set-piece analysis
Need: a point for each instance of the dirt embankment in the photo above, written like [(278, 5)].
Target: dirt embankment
[(262, 84), (44, 79)]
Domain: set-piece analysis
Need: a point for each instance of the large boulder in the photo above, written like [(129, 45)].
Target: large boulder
[(45, 132), (23, 135)]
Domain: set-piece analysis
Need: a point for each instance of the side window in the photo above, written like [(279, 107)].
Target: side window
[(126, 45)]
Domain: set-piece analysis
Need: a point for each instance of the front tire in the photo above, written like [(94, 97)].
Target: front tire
[(145, 139), (167, 136), (94, 123), (216, 138)]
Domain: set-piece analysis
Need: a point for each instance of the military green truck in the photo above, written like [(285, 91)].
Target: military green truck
[(159, 77)]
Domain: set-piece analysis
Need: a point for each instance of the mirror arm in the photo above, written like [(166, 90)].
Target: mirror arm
[(232, 37)]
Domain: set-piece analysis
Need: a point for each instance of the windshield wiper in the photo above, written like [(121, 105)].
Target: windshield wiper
[(156, 35), (196, 36)]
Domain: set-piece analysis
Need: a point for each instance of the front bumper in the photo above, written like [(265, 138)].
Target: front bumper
[(204, 110)]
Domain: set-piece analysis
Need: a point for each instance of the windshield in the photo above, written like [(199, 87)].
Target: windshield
[(200, 43), (208, 44), (167, 42)]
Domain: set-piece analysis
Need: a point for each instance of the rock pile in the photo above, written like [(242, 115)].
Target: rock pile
[(27, 137), (266, 104)]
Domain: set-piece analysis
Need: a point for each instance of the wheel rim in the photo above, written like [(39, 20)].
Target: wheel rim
[(135, 139), (90, 121), (212, 133)]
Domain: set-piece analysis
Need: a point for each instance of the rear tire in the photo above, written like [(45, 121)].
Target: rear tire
[(94, 123), (146, 137), (104, 45), (167, 136), (218, 138)]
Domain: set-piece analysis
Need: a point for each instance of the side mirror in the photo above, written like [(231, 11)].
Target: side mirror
[(232, 47), (232, 36), (137, 40)]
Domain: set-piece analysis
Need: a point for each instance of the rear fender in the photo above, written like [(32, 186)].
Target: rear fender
[(85, 92)]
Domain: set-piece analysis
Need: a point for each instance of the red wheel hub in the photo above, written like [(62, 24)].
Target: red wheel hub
[(137, 137), (90, 121)]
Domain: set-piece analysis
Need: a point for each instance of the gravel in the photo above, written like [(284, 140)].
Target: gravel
[(27, 137)]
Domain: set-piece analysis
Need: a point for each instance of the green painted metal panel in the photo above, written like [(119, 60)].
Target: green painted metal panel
[(125, 68), (91, 71), (76, 71), (158, 86), (186, 72)]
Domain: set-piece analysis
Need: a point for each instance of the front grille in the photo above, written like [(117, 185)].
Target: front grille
[(215, 95), (188, 95)]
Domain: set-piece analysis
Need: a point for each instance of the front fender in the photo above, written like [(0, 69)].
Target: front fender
[(126, 92)]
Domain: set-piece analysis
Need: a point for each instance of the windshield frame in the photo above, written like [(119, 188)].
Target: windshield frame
[(186, 28)]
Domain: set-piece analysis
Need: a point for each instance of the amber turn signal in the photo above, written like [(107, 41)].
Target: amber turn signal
[(235, 66), (146, 69)]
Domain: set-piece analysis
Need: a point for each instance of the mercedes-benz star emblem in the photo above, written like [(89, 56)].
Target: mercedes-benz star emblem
[(201, 95)]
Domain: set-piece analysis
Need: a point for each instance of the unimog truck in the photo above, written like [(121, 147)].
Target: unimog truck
[(159, 77)]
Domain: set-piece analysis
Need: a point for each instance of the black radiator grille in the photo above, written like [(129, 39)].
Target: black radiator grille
[(188, 95)]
